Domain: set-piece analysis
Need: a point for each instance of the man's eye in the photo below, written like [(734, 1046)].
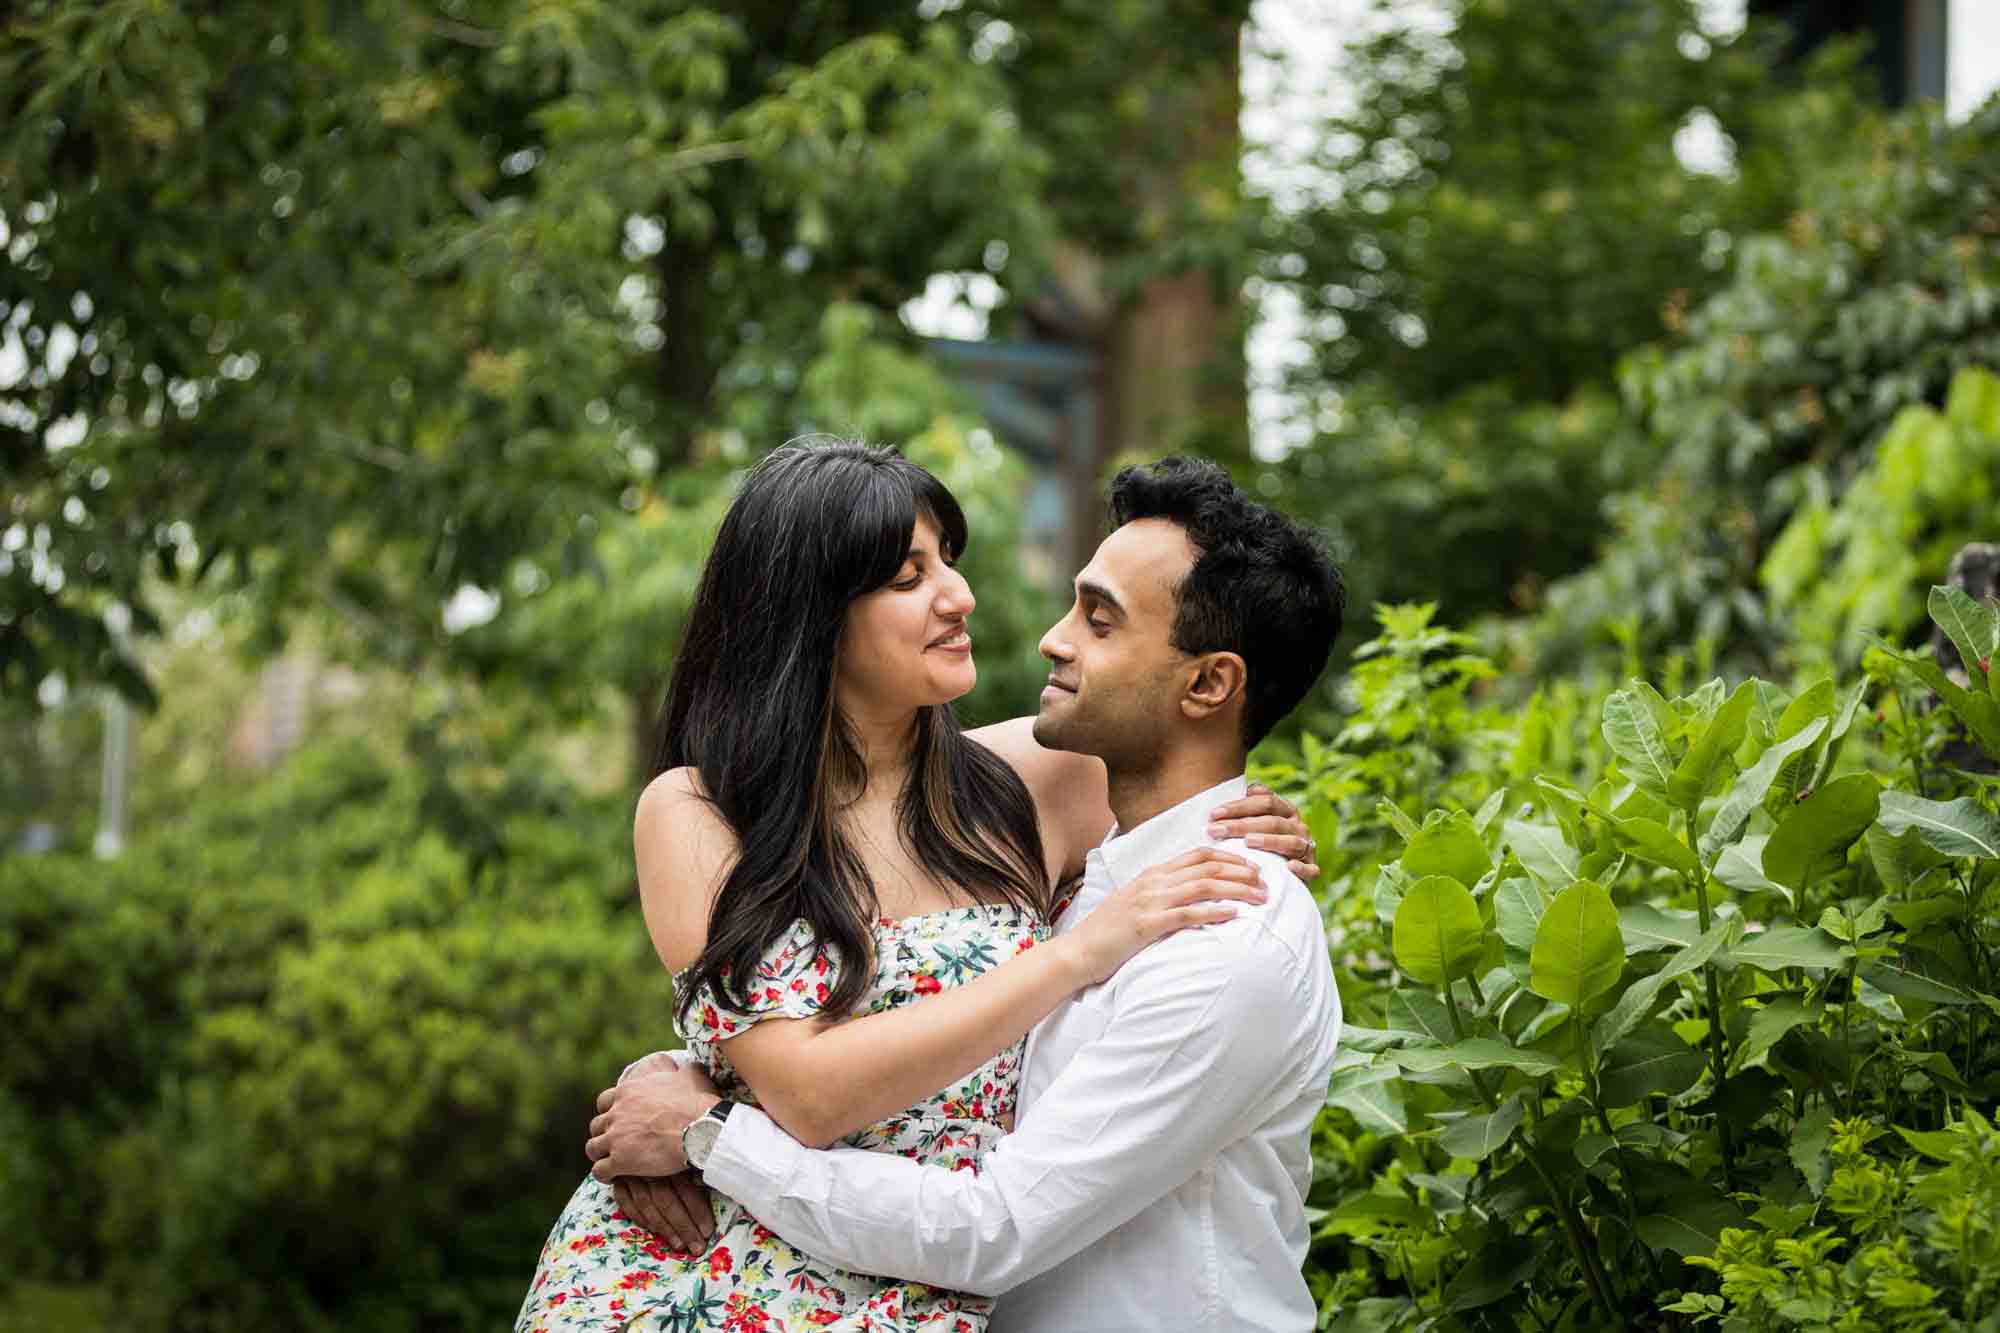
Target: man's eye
[(1096, 624)]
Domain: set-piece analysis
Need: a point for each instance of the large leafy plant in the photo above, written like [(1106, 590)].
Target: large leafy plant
[(1627, 1014)]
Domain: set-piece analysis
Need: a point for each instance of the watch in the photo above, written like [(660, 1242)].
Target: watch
[(698, 1139)]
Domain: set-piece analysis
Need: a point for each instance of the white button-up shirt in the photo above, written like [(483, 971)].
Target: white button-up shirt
[(1157, 1174)]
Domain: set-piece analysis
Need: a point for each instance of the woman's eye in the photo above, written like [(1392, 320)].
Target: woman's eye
[(909, 583)]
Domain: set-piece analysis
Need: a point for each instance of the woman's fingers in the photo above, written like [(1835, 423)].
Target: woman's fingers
[(1200, 914), (1250, 826), (1260, 800)]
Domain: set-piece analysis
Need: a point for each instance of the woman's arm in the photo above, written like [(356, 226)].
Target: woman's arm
[(821, 1080)]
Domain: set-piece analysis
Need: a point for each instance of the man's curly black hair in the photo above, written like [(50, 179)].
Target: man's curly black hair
[(1262, 586)]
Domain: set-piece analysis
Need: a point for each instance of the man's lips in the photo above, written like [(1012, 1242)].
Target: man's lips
[(1055, 684)]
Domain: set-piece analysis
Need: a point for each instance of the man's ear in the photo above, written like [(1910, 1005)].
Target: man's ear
[(1218, 679)]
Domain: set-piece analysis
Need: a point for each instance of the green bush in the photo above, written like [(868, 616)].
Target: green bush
[(1881, 288), (1847, 567), (1623, 1003), (294, 1064)]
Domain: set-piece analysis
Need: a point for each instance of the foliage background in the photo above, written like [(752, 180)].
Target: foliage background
[(324, 314)]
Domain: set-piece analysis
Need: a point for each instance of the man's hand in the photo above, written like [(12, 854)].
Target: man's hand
[(675, 1209), (638, 1130)]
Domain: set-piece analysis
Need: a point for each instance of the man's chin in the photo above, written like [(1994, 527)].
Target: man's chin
[(1050, 733)]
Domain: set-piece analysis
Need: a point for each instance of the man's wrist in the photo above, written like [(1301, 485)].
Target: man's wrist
[(698, 1136)]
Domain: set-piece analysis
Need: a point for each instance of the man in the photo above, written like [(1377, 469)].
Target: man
[(1157, 1174)]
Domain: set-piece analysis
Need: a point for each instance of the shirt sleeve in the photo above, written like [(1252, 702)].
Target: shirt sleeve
[(1195, 1055)]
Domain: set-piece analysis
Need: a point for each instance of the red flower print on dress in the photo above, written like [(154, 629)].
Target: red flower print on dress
[(601, 1269), (745, 1316)]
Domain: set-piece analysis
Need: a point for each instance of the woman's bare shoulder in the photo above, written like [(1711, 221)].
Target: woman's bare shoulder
[(684, 848)]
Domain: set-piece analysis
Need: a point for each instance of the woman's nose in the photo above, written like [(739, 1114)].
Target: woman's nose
[(955, 594)]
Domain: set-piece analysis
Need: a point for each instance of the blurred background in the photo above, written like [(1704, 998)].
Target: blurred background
[(372, 375)]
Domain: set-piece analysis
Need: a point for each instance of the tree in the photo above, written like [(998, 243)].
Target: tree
[(355, 307), (1502, 215)]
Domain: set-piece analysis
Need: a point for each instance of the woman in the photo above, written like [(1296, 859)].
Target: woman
[(822, 843)]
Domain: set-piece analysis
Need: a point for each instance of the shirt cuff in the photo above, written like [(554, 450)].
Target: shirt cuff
[(751, 1161)]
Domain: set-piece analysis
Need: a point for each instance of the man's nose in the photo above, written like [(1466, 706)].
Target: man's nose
[(1055, 645)]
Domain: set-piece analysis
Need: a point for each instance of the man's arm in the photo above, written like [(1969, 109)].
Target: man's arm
[(1194, 1060)]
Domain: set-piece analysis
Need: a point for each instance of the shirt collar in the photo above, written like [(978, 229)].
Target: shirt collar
[(1168, 833)]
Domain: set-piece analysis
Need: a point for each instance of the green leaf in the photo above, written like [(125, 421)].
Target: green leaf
[(1590, 1147), (1707, 761), (1438, 934), (1419, 1013), (1482, 819), (1517, 910), (1808, 1149), (1979, 713), (1566, 803), (1578, 950), (1901, 860), (1370, 1094), (1816, 703), (1741, 867), (1956, 828), (1971, 627), (1682, 1214), (1477, 1137), (1543, 852), (1393, 816), (1655, 844), (1811, 841), (1640, 996), (1648, 927), (1843, 723), (1390, 886), (1634, 727), (1899, 978), (1493, 1272), (1789, 946), (1940, 1145), (1447, 846), (1476, 1053), (1369, 1040), (1750, 787), (1651, 1061), (1769, 1024), (1692, 1233)]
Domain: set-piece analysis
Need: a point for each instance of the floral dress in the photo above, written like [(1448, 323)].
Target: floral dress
[(602, 1272)]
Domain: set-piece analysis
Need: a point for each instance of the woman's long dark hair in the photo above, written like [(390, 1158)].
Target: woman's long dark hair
[(817, 524)]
